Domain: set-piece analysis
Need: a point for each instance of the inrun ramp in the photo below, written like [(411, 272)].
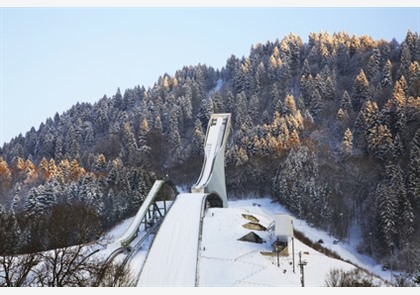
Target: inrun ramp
[(132, 230)]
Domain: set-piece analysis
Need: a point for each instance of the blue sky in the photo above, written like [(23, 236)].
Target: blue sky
[(52, 58)]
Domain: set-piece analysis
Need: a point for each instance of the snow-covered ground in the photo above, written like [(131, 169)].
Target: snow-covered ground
[(224, 261)]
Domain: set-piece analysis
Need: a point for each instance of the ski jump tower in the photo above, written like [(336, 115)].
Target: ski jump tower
[(212, 177), (173, 257)]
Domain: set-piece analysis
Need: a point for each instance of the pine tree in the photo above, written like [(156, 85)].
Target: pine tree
[(88, 133), (414, 79), (158, 125), (242, 79), (410, 40), (58, 151), (40, 200), (90, 193), (130, 143), (19, 163), (241, 115), (360, 91), (386, 216), (403, 70), (174, 139), (343, 58), (72, 141), (329, 92), (241, 157), (115, 170), (52, 168), (260, 78), (43, 169), (399, 103), (9, 232), (307, 87), (296, 188), (276, 101), (118, 100), (398, 148), (417, 49), (218, 106), (387, 74), (354, 45), (395, 214), (229, 103), (404, 85), (306, 69), (341, 115), (76, 170), (273, 65), (294, 140), (16, 204), (315, 104), (100, 163), (384, 142), (289, 107), (291, 47), (406, 222), (64, 174), (5, 176), (198, 140), (347, 143), (254, 109), (283, 137), (144, 148), (285, 79), (186, 107), (372, 120), (413, 183), (30, 172), (373, 67), (346, 103), (266, 119), (205, 111)]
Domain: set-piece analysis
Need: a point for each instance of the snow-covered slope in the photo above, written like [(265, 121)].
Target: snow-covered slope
[(225, 261), (228, 262)]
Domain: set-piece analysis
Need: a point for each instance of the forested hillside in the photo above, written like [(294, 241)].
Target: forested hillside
[(329, 128)]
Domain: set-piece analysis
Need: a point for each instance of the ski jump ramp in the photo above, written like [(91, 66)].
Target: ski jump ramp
[(212, 177), (119, 245), (173, 256)]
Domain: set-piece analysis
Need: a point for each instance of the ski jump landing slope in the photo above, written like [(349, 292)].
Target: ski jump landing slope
[(172, 259)]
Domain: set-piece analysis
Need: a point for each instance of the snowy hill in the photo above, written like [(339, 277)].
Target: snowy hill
[(225, 261)]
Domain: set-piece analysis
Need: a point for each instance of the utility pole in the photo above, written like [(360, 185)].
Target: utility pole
[(277, 249), (293, 253), (302, 264)]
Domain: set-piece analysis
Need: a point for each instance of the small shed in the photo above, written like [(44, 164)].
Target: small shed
[(252, 237), (283, 227)]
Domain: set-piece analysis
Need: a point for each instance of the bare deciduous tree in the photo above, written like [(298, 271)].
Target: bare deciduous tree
[(17, 270)]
